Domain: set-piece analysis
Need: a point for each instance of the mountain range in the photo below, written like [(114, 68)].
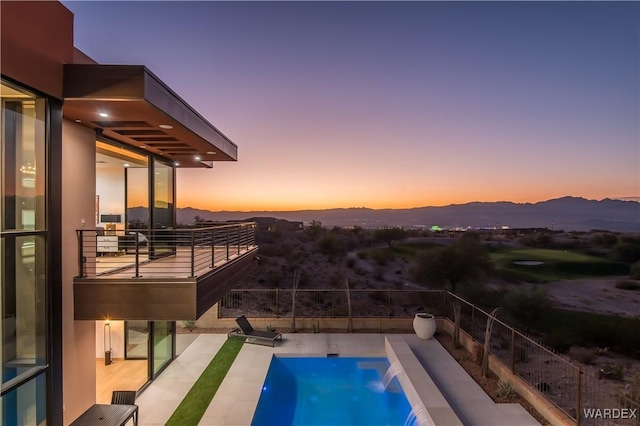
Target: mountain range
[(566, 213)]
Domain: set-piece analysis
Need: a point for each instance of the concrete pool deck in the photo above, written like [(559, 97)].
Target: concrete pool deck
[(235, 402)]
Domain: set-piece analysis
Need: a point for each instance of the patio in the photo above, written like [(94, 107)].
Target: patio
[(237, 397)]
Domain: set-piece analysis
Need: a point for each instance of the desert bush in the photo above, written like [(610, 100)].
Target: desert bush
[(582, 354), (635, 271), (383, 256), (274, 278), (606, 240), (505, 389), (627, 251), (628, 285), (527, 305), (378, 273), (189, 325), (330, 245), (611, 371)]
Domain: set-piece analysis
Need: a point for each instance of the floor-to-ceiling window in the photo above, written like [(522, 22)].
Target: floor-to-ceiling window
[(23, 273), (162, 345)]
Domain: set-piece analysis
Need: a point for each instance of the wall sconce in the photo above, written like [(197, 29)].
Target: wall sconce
[(107, 343)]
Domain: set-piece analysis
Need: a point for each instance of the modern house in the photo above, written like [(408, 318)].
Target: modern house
[(91, 261)]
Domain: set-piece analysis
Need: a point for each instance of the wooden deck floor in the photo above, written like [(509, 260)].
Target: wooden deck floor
[(173, 266)]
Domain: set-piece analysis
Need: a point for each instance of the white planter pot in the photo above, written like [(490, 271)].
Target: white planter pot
[(424, 325)]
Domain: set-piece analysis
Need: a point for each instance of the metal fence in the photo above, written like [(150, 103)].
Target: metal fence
[(331, 303), (582, 395)]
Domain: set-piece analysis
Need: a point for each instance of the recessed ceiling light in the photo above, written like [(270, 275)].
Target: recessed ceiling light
[(78, 121), (176, 163), (198, 158), (126, 164), (166, 126), (211, 152), (143, 146), (103, 114)]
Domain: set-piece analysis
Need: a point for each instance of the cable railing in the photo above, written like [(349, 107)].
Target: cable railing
[(161, 253)]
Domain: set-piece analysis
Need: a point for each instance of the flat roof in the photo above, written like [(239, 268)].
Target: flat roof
[(129, 104)]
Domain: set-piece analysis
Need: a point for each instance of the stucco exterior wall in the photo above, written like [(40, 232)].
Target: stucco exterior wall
[(78, 204), (36, 39)]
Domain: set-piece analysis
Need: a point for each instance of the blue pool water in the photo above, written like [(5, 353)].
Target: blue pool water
[(330, 392)]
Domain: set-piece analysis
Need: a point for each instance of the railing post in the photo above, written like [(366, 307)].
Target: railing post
[(228, 244), (193, 254), (513, 351), (135, 239), (389, 301), (239, 240), (473, 323), (579, 397), (333, 300), (277, 301), (81, 260), (213, 248)]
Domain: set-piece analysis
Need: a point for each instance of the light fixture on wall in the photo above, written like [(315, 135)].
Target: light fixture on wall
[(107, 343)]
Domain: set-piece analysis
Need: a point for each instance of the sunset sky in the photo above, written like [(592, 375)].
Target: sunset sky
[(392, 105)]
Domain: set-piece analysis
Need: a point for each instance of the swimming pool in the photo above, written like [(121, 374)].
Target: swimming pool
[(331, 391)]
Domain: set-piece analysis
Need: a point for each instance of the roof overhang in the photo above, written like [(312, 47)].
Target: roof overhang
[(142, 112)]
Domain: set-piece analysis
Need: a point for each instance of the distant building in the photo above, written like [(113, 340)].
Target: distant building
[(275, 224)]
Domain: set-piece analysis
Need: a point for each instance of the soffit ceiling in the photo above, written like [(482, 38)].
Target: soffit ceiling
[(137, 104)]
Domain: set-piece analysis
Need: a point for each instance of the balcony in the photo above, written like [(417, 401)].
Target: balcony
[(159, 274)]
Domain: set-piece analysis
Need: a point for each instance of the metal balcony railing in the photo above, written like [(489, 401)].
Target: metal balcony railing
[(161, 253)]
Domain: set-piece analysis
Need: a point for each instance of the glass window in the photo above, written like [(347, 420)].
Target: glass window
[(22, 159), (162, 345), (163, 196), (23, 319), (27, 404)]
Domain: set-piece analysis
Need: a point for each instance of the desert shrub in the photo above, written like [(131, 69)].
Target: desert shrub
[(351, 262), (627, 251), (383, 256), (527, 305), (378, 273), (611, 371), (606, 240), (635, 271), (274, 278), (583, 355), (330, 245), (505, 389), (562, 339), (628, 285), (566, 328), (591, 268), (189, 325)]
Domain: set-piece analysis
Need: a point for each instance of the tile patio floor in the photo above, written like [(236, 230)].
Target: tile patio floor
[(236, 400)]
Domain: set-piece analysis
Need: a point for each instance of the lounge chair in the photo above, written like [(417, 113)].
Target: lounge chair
[(255, 336)]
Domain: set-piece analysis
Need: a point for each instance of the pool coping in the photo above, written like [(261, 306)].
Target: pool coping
[(429, 406)]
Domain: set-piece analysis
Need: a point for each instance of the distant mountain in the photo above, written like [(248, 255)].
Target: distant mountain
[(567, 213)]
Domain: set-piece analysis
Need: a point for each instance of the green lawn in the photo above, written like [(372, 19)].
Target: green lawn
[(558, 265), (195, 403)]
